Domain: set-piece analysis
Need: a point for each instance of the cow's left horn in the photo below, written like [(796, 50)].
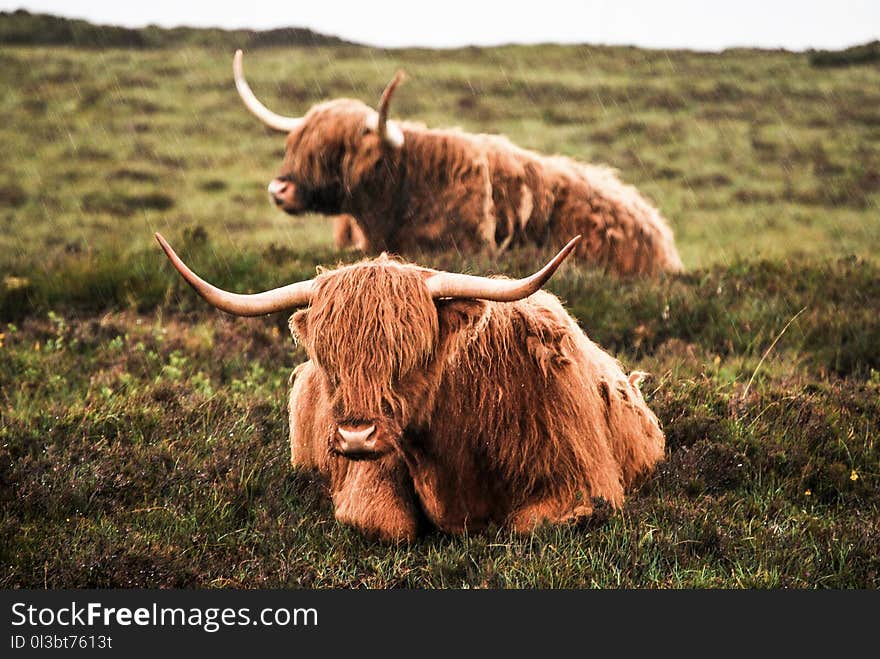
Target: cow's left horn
[(447, 284), (264, 114), (258, 304), (389, 132)]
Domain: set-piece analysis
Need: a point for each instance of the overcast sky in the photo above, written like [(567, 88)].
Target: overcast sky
[(692, 24)]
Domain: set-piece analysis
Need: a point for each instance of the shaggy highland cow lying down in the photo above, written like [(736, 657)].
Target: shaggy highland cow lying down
[(405, 188), (451, 401)]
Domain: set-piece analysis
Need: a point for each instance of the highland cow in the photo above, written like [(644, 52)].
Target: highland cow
[(408, 188), (448, 401)]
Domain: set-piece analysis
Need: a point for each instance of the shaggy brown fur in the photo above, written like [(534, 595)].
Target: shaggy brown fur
[(485, 412), (450, 189)]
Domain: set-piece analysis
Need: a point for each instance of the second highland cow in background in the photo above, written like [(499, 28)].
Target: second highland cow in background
[(406, 188)]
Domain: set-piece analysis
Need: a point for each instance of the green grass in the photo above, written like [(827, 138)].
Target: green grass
[(142, 436)]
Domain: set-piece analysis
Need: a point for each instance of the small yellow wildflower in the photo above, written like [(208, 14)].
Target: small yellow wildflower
[(854, 475), (808, 493), (37, 347)]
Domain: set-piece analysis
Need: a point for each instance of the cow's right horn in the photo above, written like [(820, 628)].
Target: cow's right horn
[(264, 114), (258, 304), (453, 285)]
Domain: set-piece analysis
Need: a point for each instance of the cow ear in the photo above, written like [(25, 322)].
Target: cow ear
[(458, 315), (299, 325)]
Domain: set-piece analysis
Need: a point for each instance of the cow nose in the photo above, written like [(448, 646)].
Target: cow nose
[(354, 440), (278, 187)]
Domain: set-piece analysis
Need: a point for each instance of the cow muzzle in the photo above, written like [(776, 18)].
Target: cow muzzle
[(283, 193), (359, 441)]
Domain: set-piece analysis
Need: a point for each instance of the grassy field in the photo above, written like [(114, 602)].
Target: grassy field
[(143, 439)]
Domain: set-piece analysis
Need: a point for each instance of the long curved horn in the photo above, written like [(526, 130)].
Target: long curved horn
[(264, 114), (447, 284), (390, 133), (258, 304)]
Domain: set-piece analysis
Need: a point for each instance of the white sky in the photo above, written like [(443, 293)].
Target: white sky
[(441, 23)]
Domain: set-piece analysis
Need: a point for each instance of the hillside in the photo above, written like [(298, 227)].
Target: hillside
[(24, 28)]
